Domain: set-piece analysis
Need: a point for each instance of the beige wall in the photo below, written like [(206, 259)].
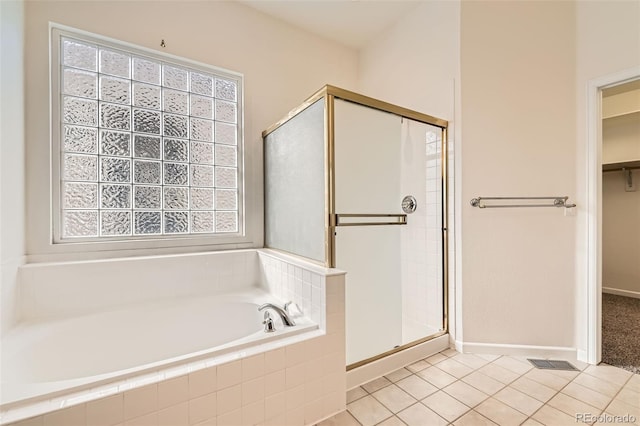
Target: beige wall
[(415, 63), (621, 103), (282, 66), (620, 141), (12, 169), (621, 127), (518, 112), (620, 234)]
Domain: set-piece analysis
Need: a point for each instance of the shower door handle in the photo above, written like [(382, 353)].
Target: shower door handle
[(367, 219)]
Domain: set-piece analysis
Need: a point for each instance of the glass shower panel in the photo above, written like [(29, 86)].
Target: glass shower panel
[(373, 319), (421, 239), (367, 160), (435, 236), (295, 185), (394, 291), (367, 174)]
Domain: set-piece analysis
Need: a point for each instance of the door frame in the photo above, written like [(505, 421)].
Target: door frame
[(594, 207)]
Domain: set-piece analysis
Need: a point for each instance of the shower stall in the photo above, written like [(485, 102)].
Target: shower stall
[(358, 184)]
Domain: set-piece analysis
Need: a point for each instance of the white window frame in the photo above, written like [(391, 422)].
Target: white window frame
[(240, 239)]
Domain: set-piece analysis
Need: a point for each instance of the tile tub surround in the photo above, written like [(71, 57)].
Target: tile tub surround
[(466, 389), (299, 383)]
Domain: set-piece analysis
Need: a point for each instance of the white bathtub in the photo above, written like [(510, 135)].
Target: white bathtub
[(52, 360), (45, 357), (116, 349)]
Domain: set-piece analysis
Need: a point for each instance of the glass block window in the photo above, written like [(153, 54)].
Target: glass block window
[(148, 147)]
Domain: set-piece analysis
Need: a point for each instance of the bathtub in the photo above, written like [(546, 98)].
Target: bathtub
[(59, 362)]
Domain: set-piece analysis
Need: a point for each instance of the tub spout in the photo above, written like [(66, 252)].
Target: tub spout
[(285, 317)]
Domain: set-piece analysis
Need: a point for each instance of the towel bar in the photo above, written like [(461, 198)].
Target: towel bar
[(556, 202)]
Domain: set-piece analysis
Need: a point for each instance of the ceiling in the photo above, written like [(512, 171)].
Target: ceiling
[(350, 22)]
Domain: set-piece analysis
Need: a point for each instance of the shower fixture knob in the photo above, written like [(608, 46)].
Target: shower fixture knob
[(409, 204)]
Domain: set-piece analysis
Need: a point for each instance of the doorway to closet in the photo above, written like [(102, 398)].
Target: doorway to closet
[(620, 242)]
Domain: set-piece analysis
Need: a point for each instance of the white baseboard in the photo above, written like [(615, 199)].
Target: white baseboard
[(618, 292), (583, 355), (375, 369), (566, 353), (458, 345)]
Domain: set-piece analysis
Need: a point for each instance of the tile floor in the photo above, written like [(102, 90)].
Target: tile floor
[(450, 388)]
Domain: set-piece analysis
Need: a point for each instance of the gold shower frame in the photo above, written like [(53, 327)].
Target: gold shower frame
[(330, 93)]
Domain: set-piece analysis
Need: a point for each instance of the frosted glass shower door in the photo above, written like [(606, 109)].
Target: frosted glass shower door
[(294, 175), (367, 177), (373, 302)]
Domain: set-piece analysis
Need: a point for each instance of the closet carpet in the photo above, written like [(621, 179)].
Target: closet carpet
[(621, 332)]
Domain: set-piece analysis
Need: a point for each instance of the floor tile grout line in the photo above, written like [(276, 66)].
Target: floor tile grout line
[(354, 417), (508, 405), (358, 399), (447, 420), (396, 414), (381, 403), (479, 413), (390, 410), (460, 380)]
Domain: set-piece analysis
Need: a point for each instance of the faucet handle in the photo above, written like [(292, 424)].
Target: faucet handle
[(269, 327), (292, 309)]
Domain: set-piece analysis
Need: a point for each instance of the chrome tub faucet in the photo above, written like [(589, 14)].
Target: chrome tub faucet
[(286, 319)]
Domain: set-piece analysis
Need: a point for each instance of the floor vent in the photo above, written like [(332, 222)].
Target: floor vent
[(550, 364)]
